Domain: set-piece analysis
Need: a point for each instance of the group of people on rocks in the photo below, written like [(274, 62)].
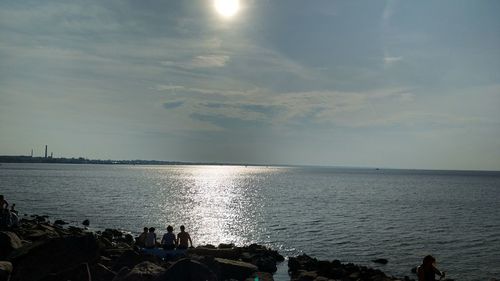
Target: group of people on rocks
[(8, 217), (169, 241)]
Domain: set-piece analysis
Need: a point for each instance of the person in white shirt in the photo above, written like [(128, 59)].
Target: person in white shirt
[(150, 241)]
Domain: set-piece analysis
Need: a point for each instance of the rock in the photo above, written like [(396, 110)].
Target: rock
[(36, 261), (86, 222), (128, 258), (80, 272), (5, 270), (261, 276), (226, 246), (226, 253), (38, 232), (305, 276), (187, 270), (266, 264), (144, 271), (9, 241), (235, 269), (101, 273), (305, 268), (60, 222), (381, 261)]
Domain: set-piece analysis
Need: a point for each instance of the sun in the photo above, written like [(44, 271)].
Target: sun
[(227, 8)]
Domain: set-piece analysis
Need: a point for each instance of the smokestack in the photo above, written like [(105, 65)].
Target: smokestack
[(31, 152), (45, 151)]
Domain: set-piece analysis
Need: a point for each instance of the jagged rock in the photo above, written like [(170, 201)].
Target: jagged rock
[(381, 261), (35, 261), (235, 269), (5, 270), (86, 222), (187, 270), (144, 271), (9, 241)]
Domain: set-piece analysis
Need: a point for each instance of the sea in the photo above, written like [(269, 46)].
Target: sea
[(350, 214)]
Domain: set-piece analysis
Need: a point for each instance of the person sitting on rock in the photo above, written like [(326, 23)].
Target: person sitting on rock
[(168, 241), (183, 238), (427, 270), (4, 205), (150, 242), (142, 238), (12, 210)]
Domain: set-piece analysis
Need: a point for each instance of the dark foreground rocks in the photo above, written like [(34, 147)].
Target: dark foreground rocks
[(305, 268), (40, 251)]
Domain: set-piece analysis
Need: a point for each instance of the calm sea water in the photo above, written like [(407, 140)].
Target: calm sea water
[(354, 215)]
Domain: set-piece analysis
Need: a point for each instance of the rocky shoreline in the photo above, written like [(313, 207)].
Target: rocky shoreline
[(38, 250)]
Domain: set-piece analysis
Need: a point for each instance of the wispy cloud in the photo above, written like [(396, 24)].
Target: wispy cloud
[(209, 61), (173, 104)]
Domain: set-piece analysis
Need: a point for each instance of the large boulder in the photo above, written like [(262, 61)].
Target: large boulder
[(187, 270), (224, 253), (144, 271), (231, 269), (128, 258), (36, 261), (9, 241)]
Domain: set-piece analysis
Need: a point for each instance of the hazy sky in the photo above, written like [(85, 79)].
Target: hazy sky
[(403, 84)]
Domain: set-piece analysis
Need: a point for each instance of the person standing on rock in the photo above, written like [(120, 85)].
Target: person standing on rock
[(150, 241), (183, 238), (168, 241), (427, 270)]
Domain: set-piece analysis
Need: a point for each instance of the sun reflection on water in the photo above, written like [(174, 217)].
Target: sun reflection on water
[(217, 204)]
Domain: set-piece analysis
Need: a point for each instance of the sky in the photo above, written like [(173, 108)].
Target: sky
[(398, 84)]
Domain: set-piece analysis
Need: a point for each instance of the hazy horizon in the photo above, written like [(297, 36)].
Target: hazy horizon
[(411, 85)]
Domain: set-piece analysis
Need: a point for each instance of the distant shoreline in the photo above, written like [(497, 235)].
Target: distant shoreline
[(81, 160)]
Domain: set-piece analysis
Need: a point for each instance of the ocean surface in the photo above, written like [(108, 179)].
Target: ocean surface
[(354, 215)]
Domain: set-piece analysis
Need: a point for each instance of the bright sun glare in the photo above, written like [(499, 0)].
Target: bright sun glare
[(227, 8)]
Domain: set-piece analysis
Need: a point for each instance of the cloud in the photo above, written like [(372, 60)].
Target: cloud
[(209, 61), (392, 60), (201, 61), (173, 104)]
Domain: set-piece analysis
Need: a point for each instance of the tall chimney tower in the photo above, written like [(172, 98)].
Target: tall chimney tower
[(45, 151), (31, 152)]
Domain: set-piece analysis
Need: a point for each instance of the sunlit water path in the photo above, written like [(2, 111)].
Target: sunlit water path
[(354, 215)]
